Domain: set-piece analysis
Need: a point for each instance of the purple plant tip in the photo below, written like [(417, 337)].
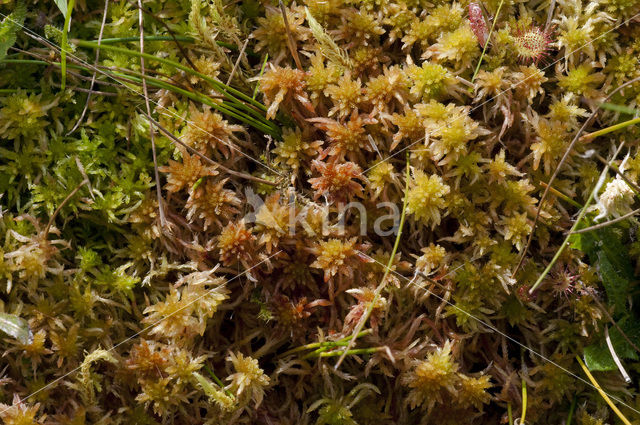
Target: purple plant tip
[(478, 23)]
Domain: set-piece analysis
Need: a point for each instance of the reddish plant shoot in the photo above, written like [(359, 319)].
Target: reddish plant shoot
[(478, 23)]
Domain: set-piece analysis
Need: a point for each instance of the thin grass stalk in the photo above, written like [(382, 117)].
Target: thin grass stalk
[(524, 403), (619, 108), (65, 44), (62, 204), (610, 129), (180, 38), (315, 345), (230, 109), (115, 40), (634, 187), (354, 351), (264, 64), (602, 393), (152, 130), (225, 109), (228, 92), (95, 71), (382, 283), (562, 195), (264, 125), (607, 223), (486, 44), (581, 215), (571, 410), (217, 381)]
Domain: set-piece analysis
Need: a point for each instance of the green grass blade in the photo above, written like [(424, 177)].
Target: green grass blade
[(619, 108), (264, 64), (65, 44)]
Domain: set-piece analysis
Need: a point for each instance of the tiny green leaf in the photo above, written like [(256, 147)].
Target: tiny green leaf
[(206, 385)]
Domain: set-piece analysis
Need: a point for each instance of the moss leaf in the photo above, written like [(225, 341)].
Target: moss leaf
[(16, 327), (9, 28)]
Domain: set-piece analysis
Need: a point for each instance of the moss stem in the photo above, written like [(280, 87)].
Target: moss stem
[(561, 195), (571, 410)]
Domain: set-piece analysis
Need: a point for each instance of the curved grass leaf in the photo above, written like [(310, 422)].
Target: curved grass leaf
[(62, 5)]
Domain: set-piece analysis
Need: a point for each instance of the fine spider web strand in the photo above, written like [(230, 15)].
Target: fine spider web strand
[(506, 90), (95, 63), (607, 223), (493, 328), (56, 47), (193, 151), (152, 130), (72, 371)]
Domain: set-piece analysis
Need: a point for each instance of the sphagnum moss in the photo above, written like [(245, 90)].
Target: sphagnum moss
[(236, 307)]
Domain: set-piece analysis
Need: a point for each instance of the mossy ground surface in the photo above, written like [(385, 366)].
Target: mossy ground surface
[(200, 228)]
